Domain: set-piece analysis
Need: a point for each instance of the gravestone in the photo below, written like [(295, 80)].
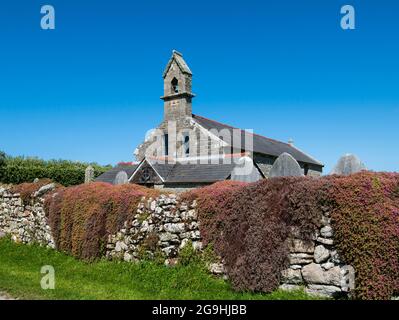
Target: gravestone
[(245, 171), (89, 174), (121, 178), (285, 166), (348, 164)]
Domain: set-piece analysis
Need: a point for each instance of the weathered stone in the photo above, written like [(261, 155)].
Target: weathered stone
[(348, 164), (348, 278), (321, 254), (295, 266), (289, 287), (326, 232), (43, 190), (322, 290), (167, 236), (300, 258), (292, 276), (301, 246), (217, 268), (325, 241), (174, 227), (119, 246), (2, 234), (127, 257), (327, 266), (314, 274), (284, 166)]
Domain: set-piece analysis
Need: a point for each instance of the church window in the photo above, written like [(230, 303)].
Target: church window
[(186, 144), (166, 144), (175, 86)]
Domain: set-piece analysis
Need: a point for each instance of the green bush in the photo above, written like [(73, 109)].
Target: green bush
[(2, 159), (17, 170)]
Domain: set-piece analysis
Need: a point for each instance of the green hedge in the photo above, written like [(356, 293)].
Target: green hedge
[(16, 170)]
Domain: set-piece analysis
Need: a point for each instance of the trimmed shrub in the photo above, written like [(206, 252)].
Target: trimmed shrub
[(82, 217), (20, 170), (214, 203), (365, 217), (249, 226)]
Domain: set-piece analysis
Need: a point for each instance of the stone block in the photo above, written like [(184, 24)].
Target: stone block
[(314, 274), (174, 227), (326, 232), (291, 276), (300, 258), (321, 254), (322, 290), (301, 246)]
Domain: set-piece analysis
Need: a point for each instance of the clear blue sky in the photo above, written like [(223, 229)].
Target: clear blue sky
[(90, 89)]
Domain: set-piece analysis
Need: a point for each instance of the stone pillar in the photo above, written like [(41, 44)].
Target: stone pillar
[(89, 174)]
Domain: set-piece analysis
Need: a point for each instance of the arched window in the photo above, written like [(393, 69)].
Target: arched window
[(186, 144), (175, 86)]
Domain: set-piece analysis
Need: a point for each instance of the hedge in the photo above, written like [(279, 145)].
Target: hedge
[(82, 217), (17, 170), (249, 226)]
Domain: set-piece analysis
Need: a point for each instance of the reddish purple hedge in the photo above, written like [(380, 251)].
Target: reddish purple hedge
[(249, 226), (82, 217)]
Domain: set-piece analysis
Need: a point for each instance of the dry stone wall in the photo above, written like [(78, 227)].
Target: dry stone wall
[(316, 264), (163, 226), (25, 223)]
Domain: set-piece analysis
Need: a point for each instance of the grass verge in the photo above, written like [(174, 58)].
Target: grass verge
[(20, 277)]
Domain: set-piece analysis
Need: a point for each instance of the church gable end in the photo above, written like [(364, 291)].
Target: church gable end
[(146, 174)]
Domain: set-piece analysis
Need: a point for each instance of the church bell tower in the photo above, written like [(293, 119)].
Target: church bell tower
[(177, 89)]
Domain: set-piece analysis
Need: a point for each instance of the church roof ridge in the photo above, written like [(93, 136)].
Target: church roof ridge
[(259, 145)]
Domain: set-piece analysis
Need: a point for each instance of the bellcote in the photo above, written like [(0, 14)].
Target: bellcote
[(177, 88)]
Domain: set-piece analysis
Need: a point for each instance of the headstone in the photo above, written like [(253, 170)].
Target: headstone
[(285, 166), (348, 164), (89, 174), (121, 178), (245, 171)]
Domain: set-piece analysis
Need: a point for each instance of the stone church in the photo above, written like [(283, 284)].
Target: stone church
[(187, 150)]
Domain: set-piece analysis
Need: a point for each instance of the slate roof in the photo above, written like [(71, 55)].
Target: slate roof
[(110, 175), (261, 144), (199, 173), (178, 57), (178, 172)]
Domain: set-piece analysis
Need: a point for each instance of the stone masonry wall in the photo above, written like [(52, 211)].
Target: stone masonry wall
[(163, 226), (160, 225), (25, 223), (317, 265)]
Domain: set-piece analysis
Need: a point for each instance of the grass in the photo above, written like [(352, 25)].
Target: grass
[(20, 277)]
